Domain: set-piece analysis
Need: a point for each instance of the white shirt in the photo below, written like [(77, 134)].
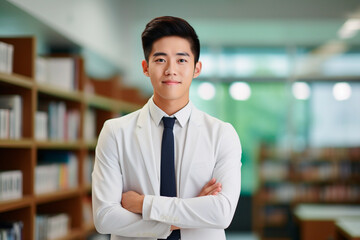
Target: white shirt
[(180, 129)]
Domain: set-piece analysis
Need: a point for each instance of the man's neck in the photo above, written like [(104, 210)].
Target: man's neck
[(170, 107)]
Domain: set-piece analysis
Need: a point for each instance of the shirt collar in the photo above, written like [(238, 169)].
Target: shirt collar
[(182, 116)]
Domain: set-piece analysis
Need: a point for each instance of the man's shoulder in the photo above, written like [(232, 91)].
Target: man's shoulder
[(208, 119), (212, 123)]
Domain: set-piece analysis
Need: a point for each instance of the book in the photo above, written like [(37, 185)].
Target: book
[(56, 170), (4, 123), (10, 185), (48, 227), (41, 123), (90, 125), (6, 57), (60, 72), (11, 230), (41, 70), (63, 124), (13, 103)]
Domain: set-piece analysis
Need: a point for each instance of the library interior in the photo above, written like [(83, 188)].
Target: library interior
[(285, 74)]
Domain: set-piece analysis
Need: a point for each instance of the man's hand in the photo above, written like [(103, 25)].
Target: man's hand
[(132, 201), (211, 188)]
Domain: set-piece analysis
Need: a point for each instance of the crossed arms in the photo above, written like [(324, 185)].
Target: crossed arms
[(116, 210), (133, 201)]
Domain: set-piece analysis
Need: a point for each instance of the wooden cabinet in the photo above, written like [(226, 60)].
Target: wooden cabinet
[(24, 153)]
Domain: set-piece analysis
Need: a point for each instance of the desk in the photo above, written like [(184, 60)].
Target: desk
[(318, 221), (348, 228)]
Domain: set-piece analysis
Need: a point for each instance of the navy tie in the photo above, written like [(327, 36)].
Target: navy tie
[(167, 171)]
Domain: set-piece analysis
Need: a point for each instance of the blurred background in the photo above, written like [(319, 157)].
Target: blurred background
[(284, 73)]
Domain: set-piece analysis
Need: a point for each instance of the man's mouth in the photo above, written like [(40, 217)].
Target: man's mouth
[(170, 82)]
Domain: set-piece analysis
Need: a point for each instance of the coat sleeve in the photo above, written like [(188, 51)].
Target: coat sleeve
[(207, 211), (107, 186)]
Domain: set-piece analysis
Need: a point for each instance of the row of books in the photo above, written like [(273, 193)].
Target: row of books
[(49, 227), (11, 230), (328, 170), (6, 57), (290, 192), (11, 185), (56, 170), (272, 170), (10, 116), (59, 72), (57, 123)]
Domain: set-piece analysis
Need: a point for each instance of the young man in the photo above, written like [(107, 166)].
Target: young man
[(156, 181)]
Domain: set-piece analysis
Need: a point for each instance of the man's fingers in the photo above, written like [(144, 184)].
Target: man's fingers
[(215, 191), (211, 188), (211, 182)]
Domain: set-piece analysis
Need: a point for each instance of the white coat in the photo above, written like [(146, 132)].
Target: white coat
[(125, 161)]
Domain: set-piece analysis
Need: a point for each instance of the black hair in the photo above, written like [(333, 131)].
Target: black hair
[(169, 26)]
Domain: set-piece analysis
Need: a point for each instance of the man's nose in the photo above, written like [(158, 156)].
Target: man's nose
[(170, 68)]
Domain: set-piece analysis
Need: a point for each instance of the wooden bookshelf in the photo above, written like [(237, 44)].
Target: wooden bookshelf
[(22, 154), (287, 179)]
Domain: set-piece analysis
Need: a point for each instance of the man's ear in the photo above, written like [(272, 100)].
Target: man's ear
[(145, 68), (197, 70)]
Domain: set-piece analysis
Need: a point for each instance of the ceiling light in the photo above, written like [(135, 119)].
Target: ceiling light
[(301, 90), (240, 91), (342, 91), (206, 91), (350, 28)]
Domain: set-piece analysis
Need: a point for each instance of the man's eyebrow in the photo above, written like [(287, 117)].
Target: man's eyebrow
[(159, 54), (183, 54), (164, 54)]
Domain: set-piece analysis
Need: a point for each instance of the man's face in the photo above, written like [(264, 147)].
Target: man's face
[(171, 69)]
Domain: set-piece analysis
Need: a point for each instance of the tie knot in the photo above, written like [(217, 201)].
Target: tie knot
[(168, 122)]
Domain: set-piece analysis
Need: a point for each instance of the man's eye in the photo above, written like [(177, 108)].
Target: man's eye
[(160, 60), (182, 60)]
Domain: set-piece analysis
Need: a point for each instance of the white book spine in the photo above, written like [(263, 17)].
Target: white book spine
[(41, 125), (2, 123), (61, 72), (10, 53), (2, 57), (41, 70), (62, 123), (90, 125), (10, 185)]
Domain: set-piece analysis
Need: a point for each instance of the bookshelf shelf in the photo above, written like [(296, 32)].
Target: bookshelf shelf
[(101, 102), (59, 145), (21, 143), (17, 80), (59, 93), (91, 145), (109, 104), (9, 205), (56, 196)]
